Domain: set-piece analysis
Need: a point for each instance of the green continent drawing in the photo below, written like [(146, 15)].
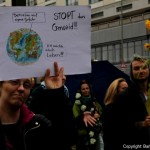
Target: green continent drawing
[(24, 46)]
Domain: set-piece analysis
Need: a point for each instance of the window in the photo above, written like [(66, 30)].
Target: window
[(110, 53), (98, 55), (125, 52), (104, 53), (117, 53), (94, 1), (96, 15), (71, 2), (32, 2), (124, 7), (93, 53), (138, 46), (131, 51)]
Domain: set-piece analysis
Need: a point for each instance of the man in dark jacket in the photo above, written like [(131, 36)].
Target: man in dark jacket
[(127, 121)]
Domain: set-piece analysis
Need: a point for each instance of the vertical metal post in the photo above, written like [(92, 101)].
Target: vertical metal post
[(121, 24)]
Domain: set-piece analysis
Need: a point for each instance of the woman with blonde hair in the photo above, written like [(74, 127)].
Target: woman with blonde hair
[(115, 88), (109, 120)]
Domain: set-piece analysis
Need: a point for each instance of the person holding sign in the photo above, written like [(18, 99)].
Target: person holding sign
[(128, 121), (20, 128)]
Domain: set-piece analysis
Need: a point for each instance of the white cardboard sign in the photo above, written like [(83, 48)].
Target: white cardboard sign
[(32, 38)]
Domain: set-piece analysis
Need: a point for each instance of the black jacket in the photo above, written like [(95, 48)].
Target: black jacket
[(35, 132), (54, 105), (120, 121)]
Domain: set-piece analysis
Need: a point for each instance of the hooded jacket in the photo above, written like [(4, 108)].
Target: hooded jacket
[(35, 131)]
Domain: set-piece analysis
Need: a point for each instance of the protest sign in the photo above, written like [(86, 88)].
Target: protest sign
[(32, 38)]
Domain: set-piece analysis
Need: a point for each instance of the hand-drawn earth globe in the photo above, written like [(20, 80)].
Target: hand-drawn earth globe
[(24, 46)]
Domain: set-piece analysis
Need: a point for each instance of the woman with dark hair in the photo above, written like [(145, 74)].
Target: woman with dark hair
[(87, 112)]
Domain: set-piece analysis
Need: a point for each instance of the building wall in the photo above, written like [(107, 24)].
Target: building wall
[(60, 2), (96, 5), (83, 2), (106, 2), (111, 9), (5, 3), (40, 2), (114, 34), (117, 35)]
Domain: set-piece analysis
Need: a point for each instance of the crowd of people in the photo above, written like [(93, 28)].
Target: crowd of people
[(42, 117)]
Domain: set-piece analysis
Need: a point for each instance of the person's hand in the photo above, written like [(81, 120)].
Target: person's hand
[(54, 82), (88, 119), (96, 116), (147, 121)]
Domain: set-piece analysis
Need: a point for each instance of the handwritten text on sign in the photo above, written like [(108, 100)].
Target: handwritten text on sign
[(33, 38)]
